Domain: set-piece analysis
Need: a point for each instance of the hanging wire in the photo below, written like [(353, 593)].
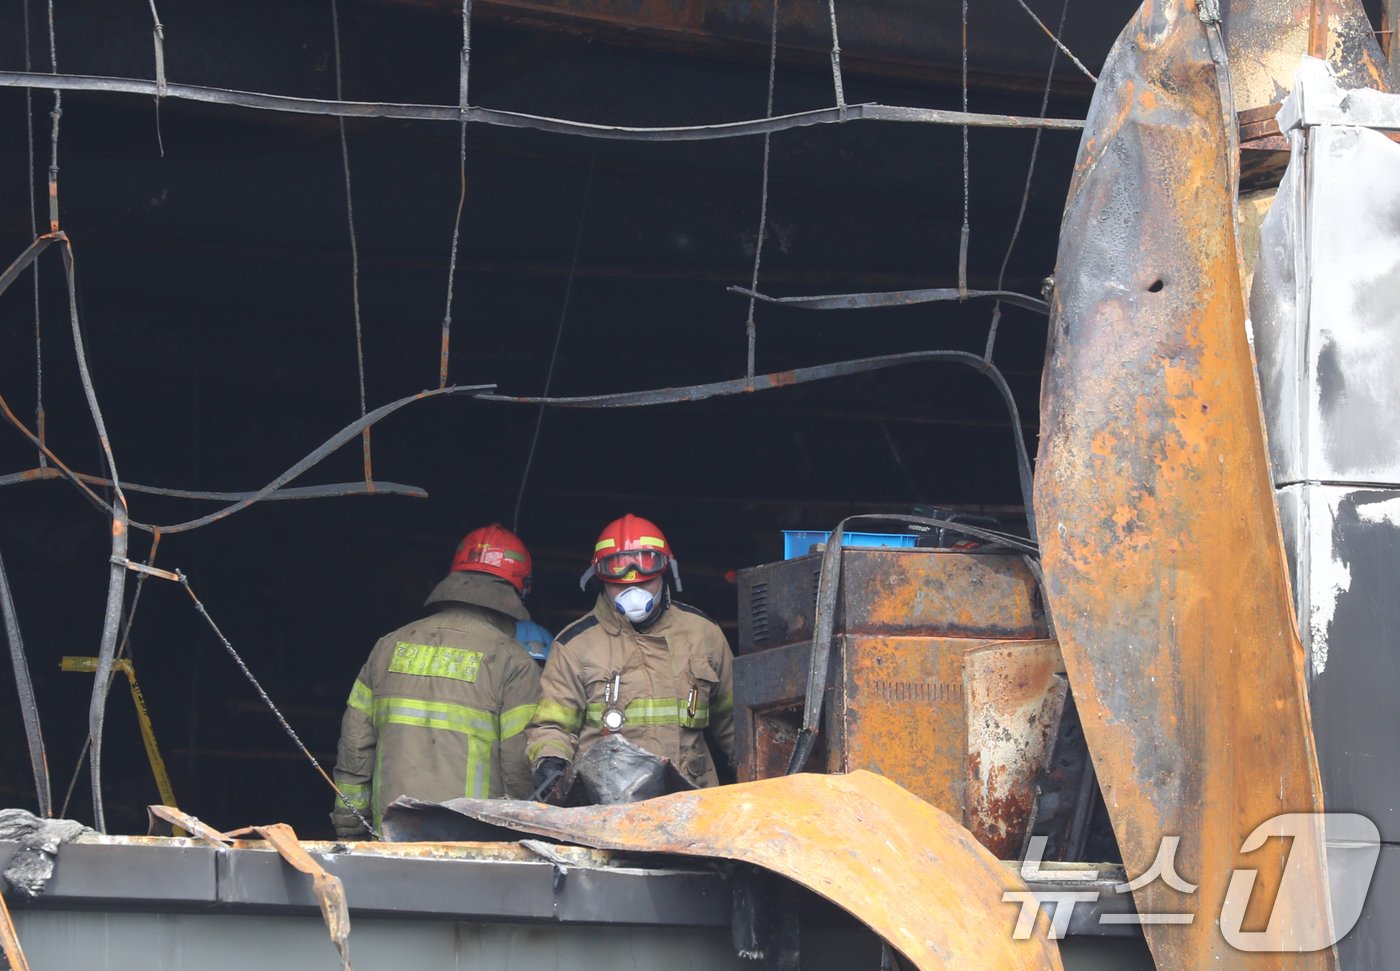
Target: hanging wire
[(966, 172), (28, 706), (158, 39), (354, 246), (1025, 192), (835, 61), (281, 720), (463, 73), (558, 335), (802, 375), (122, 649), (34, 233), (120, 527), (1055, 36), (750, 327), (55, 114)]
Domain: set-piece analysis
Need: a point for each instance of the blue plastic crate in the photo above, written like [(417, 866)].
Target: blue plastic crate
[(799, 542)]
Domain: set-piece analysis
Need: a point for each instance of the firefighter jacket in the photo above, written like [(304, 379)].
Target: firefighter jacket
[(674, 679), (439, 709)]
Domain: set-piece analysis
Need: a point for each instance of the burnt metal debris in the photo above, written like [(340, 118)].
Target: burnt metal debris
[(941, 676), (823, 624), (897, 298), (329, 889), (1160, 539), (785, 825), (1265, 39)]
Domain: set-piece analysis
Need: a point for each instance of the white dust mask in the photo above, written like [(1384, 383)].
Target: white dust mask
[(635, 603)]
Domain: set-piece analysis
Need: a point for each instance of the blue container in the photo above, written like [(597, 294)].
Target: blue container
[(799, 542)]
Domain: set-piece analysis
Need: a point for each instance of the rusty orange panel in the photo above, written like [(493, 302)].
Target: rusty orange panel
[(905, 869), (1161, 544), (964, 724), (1267, 37), (900, 712), (924, 592)]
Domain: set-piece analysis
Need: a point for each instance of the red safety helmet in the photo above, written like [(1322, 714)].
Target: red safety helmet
[(631, 550), (495, 550)]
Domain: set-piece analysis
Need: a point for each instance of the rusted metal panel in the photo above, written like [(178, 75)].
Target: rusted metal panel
[(1162, 557), (961, 720), (964, 724), (893, 591), (1266, 39), (901, 711), (905, 869)]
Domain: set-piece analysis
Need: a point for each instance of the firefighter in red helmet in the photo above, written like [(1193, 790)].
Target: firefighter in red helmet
[(439, 710), (642, 665)]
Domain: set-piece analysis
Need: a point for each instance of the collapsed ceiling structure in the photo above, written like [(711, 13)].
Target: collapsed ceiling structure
[(1156, 458), (248, 284)]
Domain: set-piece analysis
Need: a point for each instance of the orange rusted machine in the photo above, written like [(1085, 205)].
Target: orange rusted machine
[(943, 678)]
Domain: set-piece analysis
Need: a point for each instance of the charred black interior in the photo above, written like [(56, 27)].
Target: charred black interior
[(214, 290)]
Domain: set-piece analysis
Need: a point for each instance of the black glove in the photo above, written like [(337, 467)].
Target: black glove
[(548, 771), (353, 831)]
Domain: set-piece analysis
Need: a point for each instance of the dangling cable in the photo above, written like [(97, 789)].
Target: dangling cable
[(558, 335), (116, 581), (56, 114), (966, 172), (122, 650), (28, 706), (836, 60), (34, 234), (158, 38), (1025, 192), (354, 246), (286, 726), (750, 327), (1058, 43), (463, 72)]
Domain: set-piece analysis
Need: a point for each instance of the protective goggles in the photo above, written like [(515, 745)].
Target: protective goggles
[(630, 565)]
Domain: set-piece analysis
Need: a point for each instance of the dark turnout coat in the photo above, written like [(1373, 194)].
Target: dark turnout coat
[(439, 710), (676, 679)]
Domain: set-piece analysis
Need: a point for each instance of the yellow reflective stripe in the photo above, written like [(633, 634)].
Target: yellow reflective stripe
[(514, 720), (551, 746), (361, 698), (651, 541), (654, 711), (478, 767), (723, 705), (549, 712), (355, 795), (435, 714), (604, 544)]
